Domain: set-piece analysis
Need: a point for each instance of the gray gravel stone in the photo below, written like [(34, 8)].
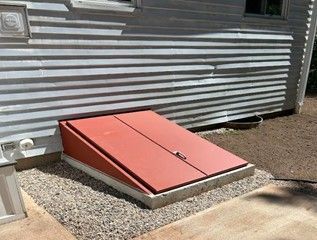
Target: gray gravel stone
[(92, 210)]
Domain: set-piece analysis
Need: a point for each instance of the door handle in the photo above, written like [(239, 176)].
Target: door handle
[(180, 155)]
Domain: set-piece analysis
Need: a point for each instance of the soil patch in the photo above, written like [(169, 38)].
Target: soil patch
[(283, 146)]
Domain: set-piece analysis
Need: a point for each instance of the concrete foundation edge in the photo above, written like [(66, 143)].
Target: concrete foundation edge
[(175, 195), (37, 161)]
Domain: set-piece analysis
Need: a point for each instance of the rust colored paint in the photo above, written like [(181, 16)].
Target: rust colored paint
[(78, 148), (143, 159), (198, 152)]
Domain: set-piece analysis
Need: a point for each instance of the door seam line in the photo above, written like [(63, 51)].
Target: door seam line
[(160, 145)]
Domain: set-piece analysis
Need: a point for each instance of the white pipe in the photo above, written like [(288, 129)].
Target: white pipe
[(307, 59)]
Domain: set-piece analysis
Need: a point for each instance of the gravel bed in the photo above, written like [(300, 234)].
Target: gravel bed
[(92, 210)]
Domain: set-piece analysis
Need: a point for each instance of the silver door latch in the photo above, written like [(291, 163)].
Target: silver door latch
[(180, 155)]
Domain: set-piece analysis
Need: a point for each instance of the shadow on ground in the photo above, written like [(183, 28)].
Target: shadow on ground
[(298, 195)]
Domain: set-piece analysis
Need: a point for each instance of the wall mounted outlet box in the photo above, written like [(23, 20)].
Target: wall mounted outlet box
[(11, 146)]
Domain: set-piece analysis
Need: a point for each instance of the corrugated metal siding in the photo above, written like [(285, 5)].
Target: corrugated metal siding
[(198, 62)]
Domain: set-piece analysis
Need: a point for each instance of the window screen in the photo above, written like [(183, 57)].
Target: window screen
[(274, 7), (254, 6), (265, 7)]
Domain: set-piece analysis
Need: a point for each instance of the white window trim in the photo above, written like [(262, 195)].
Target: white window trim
[(283, 16), (137, 3), (100, 5)]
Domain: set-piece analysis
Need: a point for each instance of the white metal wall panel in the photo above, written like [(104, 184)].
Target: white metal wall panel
[(197, 62)]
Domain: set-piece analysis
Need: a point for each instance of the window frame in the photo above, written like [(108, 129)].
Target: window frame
[(283, 16), (136, 3), (120, 6)]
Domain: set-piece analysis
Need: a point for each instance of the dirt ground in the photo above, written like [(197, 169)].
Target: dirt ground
[(284, 146)]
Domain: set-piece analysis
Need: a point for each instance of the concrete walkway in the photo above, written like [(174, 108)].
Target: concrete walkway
[(269, 213), (39, 225)]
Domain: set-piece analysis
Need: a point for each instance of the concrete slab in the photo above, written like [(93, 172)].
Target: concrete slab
[(168, 197), (268, 213), (38, 225)]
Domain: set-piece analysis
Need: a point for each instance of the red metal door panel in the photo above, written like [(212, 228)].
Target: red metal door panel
[(155, 167), (78, 148), (203, 155)]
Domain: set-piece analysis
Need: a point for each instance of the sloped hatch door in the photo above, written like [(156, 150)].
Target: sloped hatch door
[(143, 159), (201, 154)]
